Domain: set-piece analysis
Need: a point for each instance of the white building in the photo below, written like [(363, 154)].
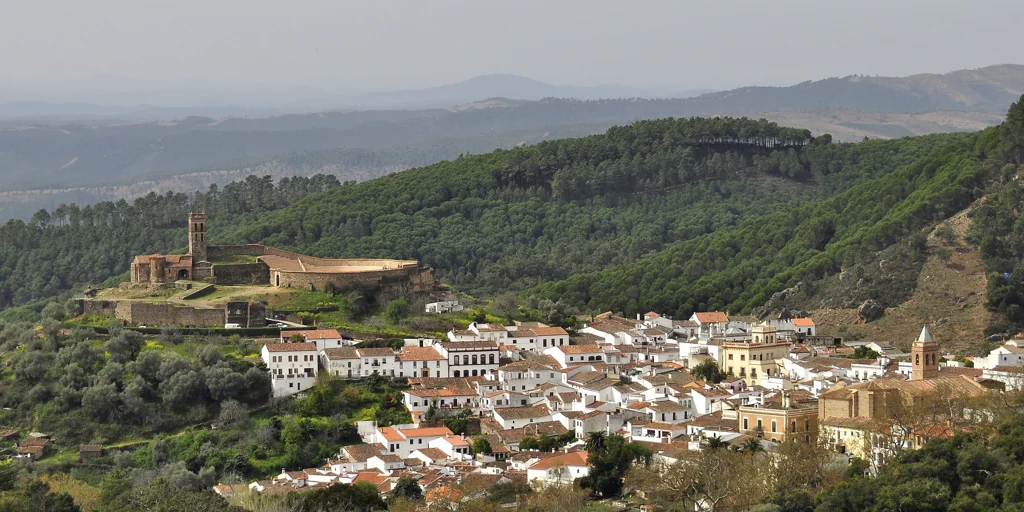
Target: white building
[(456, 447), (445, 306), (570, 355), (341, 362), (293, 366), (1010, 353), (404, 441), (559, 470), (324, 338), (516, 417), (470, 358), (377, 360), (415, 361), (419, 400)]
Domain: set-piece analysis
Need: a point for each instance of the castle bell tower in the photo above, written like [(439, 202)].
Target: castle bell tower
[(924, 355), (197, 236)]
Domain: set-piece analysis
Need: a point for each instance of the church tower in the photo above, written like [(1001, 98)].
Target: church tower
[(924, 355), (197, 236)]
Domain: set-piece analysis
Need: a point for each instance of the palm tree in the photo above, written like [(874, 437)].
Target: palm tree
[(752, 445), (595, 441), (715, 443)]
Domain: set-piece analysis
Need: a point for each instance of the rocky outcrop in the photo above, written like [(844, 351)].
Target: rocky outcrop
[(869, 311)]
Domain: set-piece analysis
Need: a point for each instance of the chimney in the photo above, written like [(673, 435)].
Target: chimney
[(785, 399)]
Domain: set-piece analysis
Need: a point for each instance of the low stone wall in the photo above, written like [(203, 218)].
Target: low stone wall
[(148, 313), (199, 292), (215, 252), (241, 273)]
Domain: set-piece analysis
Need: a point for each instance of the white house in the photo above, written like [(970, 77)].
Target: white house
[(503, 398), (385, 463), (456, 447), (804, 326), (293, 366), (491, 332), (419, 400), (1010, 353), (324, 338), (655, 431), (404, 441), (377, 360), (713, 322), (570, 355), (341, 362), (470, 358), (516, 417), (561, 469), (427, 361), (444, 306)]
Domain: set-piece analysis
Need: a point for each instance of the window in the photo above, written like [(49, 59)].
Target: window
[(730, 357), (743, 357), (794, 426), (773, 426)]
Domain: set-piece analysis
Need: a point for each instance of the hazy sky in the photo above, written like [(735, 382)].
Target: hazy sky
[(381, 44)]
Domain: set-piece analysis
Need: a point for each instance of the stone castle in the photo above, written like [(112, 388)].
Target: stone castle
[(216, 265), (228, 265)]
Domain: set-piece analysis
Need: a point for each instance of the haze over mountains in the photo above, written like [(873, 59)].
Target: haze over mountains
[(49, 160)]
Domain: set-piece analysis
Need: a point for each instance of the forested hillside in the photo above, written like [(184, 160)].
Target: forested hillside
[(515, 219)]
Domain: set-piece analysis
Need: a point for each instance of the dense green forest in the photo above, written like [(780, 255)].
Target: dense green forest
[(515, 219)]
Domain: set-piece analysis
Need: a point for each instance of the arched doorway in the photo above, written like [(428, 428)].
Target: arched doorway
[(277, 279), (183, 274)]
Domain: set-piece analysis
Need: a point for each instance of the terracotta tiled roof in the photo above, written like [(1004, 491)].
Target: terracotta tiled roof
[(433, 453), (549, 331), (803, 322), (375, 352), (319, 334), (425, 432), (341, 353), (291, 347), (569, 459), (711, 317), (372, 477), (580, 349), (521, 413), (420, 354)]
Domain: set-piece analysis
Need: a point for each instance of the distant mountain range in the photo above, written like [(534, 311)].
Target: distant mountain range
[(51, 157), (221, 103)]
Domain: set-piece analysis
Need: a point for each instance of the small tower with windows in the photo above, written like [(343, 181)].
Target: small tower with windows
[(197, 236), (763, 333), (924, 355)]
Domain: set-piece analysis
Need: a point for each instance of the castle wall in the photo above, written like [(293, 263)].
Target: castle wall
[(241, 273), (389, 284), (215, 252)]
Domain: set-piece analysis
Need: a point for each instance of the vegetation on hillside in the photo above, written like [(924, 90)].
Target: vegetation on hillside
[(998, 230), (507, 220), (738, 269)]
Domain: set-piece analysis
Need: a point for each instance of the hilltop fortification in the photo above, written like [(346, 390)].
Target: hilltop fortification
[(259, 264)]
